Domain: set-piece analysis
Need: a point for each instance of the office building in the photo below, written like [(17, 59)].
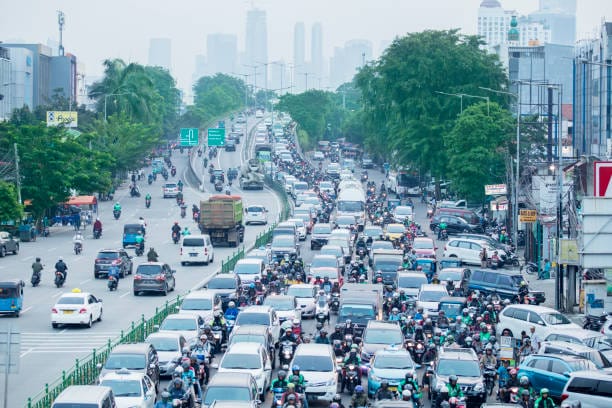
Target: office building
[(299, 54), (347, 60), (256, 47), (200, 67), (222, 53), (160, 53), (6, 83), (316, 51)]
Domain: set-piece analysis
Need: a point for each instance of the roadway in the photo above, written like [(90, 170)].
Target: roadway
[(45, 352)]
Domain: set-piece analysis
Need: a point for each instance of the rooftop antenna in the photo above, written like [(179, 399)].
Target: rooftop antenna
[(60, 22)]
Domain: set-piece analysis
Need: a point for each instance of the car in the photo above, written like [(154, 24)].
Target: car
[(249, 270), (552, 371), (256, 214), (318, 156), (347, 222), (390, 363), (262, 254), (410, 282), (589, 338), (154, 277), (336, 251), (333, 170), (306, 296), (378, 335), (169, 347), (394, 231), (590, 389), (285, 306), (260, 315), (230, 387), (373, 231), (379, 245), (76, 307), (320, 234), (249, 358), (424, 247), (300, 227), (429, 297), (505, 283), (285, 245), (187, 325), (201, 302), (468, 250), (138, 358), (516, 318), (344, 234), (170, 190), (328, 188), (252, 333), (226, 285), (106, 257), (459, 276), (454, 224), (8, 244), (367, 163), (235, 404), (197, 249), (94, 396), (462, 362), (230, 145), (562, 347), (401, 213), (318, 366), (133, 390), (325, 266)]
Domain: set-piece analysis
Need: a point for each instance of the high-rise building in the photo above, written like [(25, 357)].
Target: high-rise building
[(6, 81), (560, 17), (200, 67), (316, 51), (160, 53), (222, 53), (256, 47), (565, 6), (347, 60), (299, 55)]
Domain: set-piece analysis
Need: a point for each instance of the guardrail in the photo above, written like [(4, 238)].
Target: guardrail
[(280, 190), (85, 370), (228, 265)]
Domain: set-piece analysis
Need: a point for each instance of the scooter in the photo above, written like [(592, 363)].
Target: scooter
[(286, 352), (116, 214), (78, 248), (150, 180), (183, 212), (112, 283), (175, 237), (139, 249), (335, 302), (351, 377), (97, 233), (147, 203), (35, 279), (60, 278)]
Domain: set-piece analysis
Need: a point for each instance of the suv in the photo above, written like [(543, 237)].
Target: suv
[(170, 190), (226, 285), (320, 234), (591, 389), (379, 335), (454, 224), (468, 250), (197, 248), (230, 387), (516, 318), (505, 283), (285, 245), (8, 244), (318, 366), (106, 257), (462, 362), (136, 357), (154, 277)]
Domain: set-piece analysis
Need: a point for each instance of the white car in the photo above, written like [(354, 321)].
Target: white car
[(318, 156), (202, 302), (197, 249), (249, 358), (318, 366), (256, 214), (402, 213), (518, 318), (249, 269), (131, 390), (170, 190), (300, 227), (169, 347), (76, 307), (285, 306), (429, 297), (188, 325), (260, 316), (306, 296), (468, 250)]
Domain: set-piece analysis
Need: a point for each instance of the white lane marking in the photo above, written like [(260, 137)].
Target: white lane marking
[(25, 353), (51, 249), (125, 294), (84, 282), (26, 309), (56, 295), (27, 258)]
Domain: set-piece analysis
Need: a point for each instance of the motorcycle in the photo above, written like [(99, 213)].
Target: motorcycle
[(147, 203), (150, 180), (286, 353), (175, 237), (60, 278), (183, 212), (97, 233), (139, 249), (489, 374), (351, 377), (443, 235), (217, 332), (335, 302), (116, 214), (173, 171), (113, 283), (514, 395), (35, 279), (594, 323), (78, 248), (530, 267), (419, 350)]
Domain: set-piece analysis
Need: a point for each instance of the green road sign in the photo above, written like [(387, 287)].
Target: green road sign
[(189, 137), (216, 136)]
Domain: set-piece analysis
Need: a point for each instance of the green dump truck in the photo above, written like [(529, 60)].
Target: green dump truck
[(221, 218)]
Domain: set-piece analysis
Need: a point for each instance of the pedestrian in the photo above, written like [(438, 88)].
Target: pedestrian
[(544, 272), (535, 339), (483, 257)]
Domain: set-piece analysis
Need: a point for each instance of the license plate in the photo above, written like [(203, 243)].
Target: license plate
[(193, 255), (392, 388), (68, 311)]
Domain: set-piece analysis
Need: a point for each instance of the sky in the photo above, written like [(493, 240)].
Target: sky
[(97, 30)]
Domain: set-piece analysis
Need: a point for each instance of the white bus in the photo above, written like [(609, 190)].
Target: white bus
[(352, 201)]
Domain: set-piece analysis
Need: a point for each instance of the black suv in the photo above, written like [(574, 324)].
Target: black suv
[(226, 285), (106, 257), (462, 362), (454, 224)]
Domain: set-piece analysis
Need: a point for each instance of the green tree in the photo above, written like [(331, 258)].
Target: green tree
[(10, 208), (478, 147), (217, 95), (165, 85)]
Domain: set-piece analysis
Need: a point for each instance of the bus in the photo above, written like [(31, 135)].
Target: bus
[(352, 201), (403, 183)]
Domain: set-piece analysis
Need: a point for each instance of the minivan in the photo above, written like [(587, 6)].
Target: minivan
[(230, 387), (249, 269), (318, 366), (468, 250), (593, 389), (517, 318), (505, 283), (410, 282), (136, 357), (285, 228), (85, 396), (197, 249)]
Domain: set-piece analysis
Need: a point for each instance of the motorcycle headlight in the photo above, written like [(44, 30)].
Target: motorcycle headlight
[(479, 387)]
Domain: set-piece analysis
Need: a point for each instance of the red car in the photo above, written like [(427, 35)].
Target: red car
[(424, 247)]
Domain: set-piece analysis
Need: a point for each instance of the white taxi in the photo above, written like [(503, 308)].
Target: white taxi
[(76, 307), (131, 390)]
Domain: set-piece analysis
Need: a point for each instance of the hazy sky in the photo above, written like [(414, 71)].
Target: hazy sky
[(96, 30)]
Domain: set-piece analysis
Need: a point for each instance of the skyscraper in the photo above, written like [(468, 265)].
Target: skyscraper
[(566, 6), (222, 53), (256, 47), (160, 54), (348, 60), (316, 51), (299, 44), (560, 17)]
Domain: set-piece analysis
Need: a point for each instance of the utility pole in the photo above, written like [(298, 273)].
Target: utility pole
[(17, 175)]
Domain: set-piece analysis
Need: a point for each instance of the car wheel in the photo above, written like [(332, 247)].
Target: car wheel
[(131, 269), (96, 276), (183, 263), (89, 323), (16, 251), (165, 291), (2, 252), (54, 325), (122, 274), (100, 317), (135, 293), (466, 230)]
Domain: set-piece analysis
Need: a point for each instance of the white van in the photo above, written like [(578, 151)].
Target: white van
[(249, 269), (197, 249), (318, 366), (85, 396)]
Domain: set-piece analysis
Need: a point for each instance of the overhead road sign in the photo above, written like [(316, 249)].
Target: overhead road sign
[(495, 189), (216, 136), (66, 118), (189, 137)]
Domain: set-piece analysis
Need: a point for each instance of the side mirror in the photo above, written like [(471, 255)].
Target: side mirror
[(152, 365), (99, 300), (214, 365), (99, 366)]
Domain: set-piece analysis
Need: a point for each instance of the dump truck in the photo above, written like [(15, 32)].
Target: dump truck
[(252, 175), (221, 218)]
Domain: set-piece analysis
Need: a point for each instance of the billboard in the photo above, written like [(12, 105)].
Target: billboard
[(66, 118), (602, 175)]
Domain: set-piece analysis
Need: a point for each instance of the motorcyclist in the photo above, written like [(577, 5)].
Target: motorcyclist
[(37, 267), (326, 285), (205, 349), (394, 316), (450, 287), (113, 271), (419, 313), (176, 390), (318, 281), (526, 401), (295, 372), (442, 319), (513, 381), (231, 311), (165, 401), (97, 226), (60, 266), (280, 381), (523, 291), (360, 398), (117, 207), (189, 378), (78, 239), (465, 316), (140, 240), (152, 255), (488, 359), (454, 390), (337, 334), (384, 392), (288, 336), (322, 337), (544, 401), (185, 232), (148, 197), (441, 228), (410, 379), (176, 228), (290, 395), (526, 386), (219, 321)]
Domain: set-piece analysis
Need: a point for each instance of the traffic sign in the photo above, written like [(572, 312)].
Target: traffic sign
[(216, 136), (66, 118), (189, 137), (528, 216)]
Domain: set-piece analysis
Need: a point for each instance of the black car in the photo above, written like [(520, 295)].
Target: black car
[(226, 285), (454, 224), (230, 145), (106, 257)]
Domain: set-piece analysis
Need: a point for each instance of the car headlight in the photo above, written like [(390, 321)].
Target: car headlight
[(479, 387), (330, 382)]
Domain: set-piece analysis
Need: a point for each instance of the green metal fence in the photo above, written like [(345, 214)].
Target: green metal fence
[(228, 265), (280, 190), (85, 371)]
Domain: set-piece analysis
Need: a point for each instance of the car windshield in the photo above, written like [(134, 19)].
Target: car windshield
[(325, 185), (222, 283), (331, 273), (403, 210), (382, 245), (108, 255), (431, 295), (255, 209), (179, 324), (412, 281), (124, 388), (70, 300), (372, 232), (283, 242), (460, 368), (582, 365), (321, 229), (299, 292), (241, 361), (331, 251), (258, 319), (129, 361), (149, 270), (323, 261), (396, 229), (313, 363), (247, 338), (279, 303), (348, 311), (422, 244), (451, 309), (449, 275), (381, 336), (554, 319), (403, 362), (345, 221), (193, 242), (247, 268), (350, 206), (197, 304), (226, 394), (339, 242), (164, 343)]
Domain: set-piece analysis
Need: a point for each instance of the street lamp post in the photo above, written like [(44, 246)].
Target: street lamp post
[(106, 97), (461, 95)]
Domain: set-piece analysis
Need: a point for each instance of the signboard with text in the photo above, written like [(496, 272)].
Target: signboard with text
[(602, 176), (189, 137), (495, 189), (216, 136), (526, 216), (66, 118)]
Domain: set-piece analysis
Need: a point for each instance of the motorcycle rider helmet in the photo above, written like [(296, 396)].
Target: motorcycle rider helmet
[(444, 404), (319, 326), (395, 310), (337, 398), (544, 391), (523, 283), (186, 350), (37, 259), (290, 386), (384, 383), (348, 322), (231, 305), (453, 379), (217, 313), (323, 332), (476, 336), (406, 395), (251, 285), (436, 339), (419, 328), (489, 348), (290, 397), (492, 340), (295, 368), (288, 331), (441, 313), (61, 259), (338, 327), (185, 365), (178, 371), (428, 321), (450, 338), (506, 302), (525, 393), (177, 383), (165, 395), (524, 381), (295, 322), (468, 340), (334, 405), (359, 389), (204, 338), (282, 374)]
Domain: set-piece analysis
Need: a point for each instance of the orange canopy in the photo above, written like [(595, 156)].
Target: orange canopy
[(82, 200)]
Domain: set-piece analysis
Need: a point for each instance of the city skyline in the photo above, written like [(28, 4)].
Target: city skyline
[(378, 22)]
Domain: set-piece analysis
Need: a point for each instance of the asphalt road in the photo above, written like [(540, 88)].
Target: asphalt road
[(45, 352)]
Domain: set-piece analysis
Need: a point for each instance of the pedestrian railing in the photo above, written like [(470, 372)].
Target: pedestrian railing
[(85, 371), (228, 265)]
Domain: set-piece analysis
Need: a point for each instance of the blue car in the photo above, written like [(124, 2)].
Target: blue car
[(390, 364), (552, 371)]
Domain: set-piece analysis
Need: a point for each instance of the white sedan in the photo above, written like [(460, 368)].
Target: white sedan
[(131, 390), (76, 307)]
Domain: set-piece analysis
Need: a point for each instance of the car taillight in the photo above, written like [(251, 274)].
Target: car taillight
[(161, 278), (53, 310), (83, 310), (564, 396), (137, 277), (181, 252)]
